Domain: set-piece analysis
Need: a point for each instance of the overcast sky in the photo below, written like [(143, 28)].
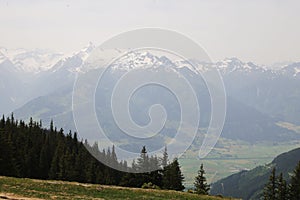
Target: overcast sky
[(263, 31)]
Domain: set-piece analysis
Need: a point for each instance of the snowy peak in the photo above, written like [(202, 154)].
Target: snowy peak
[(69, 64), (292, 69), (133, 60), (35, 61), (140, 59), (73, 62), (85, 52), (230, 65), (146, 59), (89, 48), (151, 59)]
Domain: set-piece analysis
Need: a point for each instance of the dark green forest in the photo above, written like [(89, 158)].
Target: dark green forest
[(27, 150)]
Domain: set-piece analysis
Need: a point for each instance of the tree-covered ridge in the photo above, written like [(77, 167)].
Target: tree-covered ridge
[(31, 151), (278, 189)]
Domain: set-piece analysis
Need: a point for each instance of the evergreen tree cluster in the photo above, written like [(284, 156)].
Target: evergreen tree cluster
[(28, 150), (154, 171), (278, 189), (295, 183)]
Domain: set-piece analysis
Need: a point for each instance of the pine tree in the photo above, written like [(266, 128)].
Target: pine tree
[(51, 126), (114, 159), (201, 187), (295, 183), (143, 161), (282, 188), (56, 162), (134, 166), (6, 154), (91, 172), (2, 122), (172, 176), (44, 162), (270, 190), (164, 161)]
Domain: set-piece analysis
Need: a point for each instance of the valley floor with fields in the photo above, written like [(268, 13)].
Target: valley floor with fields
[(229, 157)]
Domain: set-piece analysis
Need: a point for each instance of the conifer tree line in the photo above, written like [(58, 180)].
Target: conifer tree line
[(278, 189), (28, 150)]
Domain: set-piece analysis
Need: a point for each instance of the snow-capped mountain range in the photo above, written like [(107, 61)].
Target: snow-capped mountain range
[(35, 61), (257, 94), (27, 74), (39, 60)]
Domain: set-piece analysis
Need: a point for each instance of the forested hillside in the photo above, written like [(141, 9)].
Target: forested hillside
[(28, 150)]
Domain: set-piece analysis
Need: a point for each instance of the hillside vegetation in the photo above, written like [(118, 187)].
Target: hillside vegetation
[(30, 151), (250, 184)]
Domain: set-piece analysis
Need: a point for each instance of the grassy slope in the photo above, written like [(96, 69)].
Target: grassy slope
[(16, 187)]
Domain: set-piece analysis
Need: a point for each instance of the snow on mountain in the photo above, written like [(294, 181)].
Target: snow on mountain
[(280, 65), (230, 65), (297, 71), (85, 52), (73, 62), (35, 61), (193, 65), (291, 70), (226, 66), (2, 57), (7, 68), (42, 71), (155, 60), (133, 60)]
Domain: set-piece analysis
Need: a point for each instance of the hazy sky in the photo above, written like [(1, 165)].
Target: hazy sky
[(263, 31)]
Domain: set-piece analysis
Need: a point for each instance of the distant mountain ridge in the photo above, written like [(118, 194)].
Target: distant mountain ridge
[(40, 60), (28, 74), (249, 88), (259, 97)]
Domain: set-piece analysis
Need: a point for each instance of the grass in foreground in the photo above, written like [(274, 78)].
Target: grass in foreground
[(42, 189)]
